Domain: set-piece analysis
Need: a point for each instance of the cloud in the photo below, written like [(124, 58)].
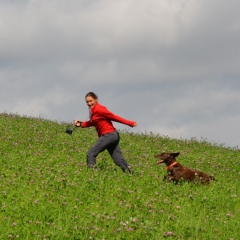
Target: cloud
[(171, 65)]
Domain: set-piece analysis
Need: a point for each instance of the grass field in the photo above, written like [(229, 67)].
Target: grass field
[(48, 193)]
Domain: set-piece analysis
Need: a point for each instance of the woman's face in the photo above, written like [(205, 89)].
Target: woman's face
[(91, 102)]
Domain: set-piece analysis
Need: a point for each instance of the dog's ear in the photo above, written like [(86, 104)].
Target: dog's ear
[(157, 155), (174, 154)]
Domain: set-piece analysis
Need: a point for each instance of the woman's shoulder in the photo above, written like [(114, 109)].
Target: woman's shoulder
[(100, 108)]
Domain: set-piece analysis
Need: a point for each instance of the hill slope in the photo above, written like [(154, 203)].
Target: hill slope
[(48, 193)]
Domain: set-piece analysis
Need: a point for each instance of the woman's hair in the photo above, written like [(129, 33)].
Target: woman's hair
[(92, 94)]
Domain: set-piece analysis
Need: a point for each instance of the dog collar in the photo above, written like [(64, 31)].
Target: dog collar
[(171, 165)]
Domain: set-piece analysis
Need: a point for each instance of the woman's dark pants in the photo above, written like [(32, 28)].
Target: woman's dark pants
[(110, 142)]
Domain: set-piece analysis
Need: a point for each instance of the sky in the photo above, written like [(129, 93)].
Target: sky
[(171, 65)]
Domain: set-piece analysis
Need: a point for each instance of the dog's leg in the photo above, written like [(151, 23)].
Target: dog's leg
[(168, 178), (171, 177)]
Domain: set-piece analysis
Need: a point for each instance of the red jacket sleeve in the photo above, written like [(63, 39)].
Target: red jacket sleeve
[(87, 124), (111, 116)]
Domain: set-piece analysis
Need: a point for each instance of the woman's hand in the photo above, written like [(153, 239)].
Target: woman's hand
[(135, 124), (77, 123)]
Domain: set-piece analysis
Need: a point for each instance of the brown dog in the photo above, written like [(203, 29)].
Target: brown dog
[(176, 171)]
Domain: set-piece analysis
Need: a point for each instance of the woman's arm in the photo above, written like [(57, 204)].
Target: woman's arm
[(78, 123), (113, 117)]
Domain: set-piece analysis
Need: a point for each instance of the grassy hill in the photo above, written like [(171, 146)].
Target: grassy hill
[(48, 193)]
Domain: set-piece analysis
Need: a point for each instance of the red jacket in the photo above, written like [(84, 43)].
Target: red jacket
[(101, 119)]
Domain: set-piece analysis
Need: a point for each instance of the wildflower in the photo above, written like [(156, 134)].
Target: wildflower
[(130, 229), (123, 224), (14, 224), (134, 220), (35, 202), (169, 234)]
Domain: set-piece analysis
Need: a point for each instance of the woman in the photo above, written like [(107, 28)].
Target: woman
[(101, 118)]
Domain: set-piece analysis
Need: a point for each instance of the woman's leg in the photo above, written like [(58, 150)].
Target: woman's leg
[(100, 145), (110, 142), (116, 154)]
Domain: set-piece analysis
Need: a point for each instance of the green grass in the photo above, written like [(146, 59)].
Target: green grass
[(46, 191)]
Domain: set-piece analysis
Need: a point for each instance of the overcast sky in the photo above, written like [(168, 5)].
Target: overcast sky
[(171, 65)]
